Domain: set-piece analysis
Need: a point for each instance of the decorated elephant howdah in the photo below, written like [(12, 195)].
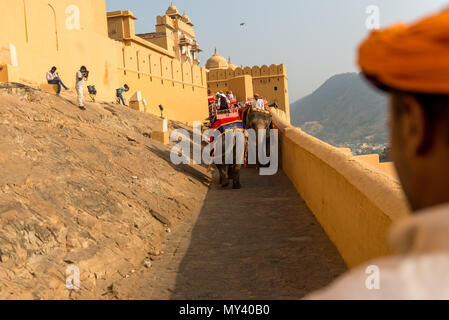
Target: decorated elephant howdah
[(228, 127)]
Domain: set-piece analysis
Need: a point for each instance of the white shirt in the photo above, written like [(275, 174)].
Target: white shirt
[(420, 270), (79, 83), (51, 75), (259, 104)]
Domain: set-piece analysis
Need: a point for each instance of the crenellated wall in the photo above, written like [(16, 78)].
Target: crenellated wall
[(354, 201), (157, 71), (269, 81), (67, 34), (179, 87)]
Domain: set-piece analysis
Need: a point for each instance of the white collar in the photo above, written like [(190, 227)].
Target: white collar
[(425, 231)]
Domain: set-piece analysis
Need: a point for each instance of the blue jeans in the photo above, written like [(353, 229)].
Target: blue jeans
[(120, 98), (59, 83)]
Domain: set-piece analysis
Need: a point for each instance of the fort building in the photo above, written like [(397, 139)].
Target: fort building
[(161, 68), (353, 200), (271, 82), (163, 65)]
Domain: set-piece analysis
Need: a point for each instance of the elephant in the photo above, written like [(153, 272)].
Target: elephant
[(236, 144), (259, 120)]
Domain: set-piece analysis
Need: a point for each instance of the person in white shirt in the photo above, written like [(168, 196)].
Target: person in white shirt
[(81, 75), (53, 78), (258, 102), (411, 64)]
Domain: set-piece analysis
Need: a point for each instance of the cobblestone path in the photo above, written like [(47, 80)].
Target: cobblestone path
[(260, 242)]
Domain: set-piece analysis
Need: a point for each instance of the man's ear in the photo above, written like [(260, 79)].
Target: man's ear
[(414, 126)]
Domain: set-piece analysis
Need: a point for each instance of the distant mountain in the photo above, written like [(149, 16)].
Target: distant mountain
[(345, 109)]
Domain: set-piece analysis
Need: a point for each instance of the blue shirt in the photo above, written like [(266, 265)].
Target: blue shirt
[(121, 89)]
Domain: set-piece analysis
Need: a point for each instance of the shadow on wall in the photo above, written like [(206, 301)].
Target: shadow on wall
[(260, 242)]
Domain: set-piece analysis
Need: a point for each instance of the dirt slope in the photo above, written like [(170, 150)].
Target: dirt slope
[(85, 188)]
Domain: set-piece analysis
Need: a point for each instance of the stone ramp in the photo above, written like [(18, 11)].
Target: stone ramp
[(260, 242)]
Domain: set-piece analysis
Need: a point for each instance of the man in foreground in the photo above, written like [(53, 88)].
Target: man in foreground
[(411, 64), (53, 78), (81, 75)]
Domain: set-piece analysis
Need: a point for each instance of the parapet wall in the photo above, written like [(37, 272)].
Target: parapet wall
[(179, 87), (68, 34), (269, 81), (354, 202), (255, 72)]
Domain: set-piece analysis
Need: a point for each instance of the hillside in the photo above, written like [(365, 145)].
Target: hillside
[(345, 109), (85, 188)]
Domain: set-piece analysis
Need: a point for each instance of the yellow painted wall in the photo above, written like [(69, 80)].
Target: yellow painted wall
[(270, 82), (179, 88), (371, 159), (389, 168), (346, 150), (241, 86), (183, 103), (354, 202), (385, 167), (39, 32)]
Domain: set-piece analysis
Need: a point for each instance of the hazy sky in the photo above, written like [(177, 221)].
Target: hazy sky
[(315, 39)]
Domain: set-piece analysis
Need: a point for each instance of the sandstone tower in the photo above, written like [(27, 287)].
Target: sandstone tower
[(161, 68), (271, 82)]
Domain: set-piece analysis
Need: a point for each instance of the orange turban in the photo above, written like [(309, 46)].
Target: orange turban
[(410, 58)]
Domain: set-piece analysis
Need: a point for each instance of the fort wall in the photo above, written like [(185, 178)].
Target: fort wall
[(45, 33), (271, 82), (39, 35), (354, 201), (179, 87)]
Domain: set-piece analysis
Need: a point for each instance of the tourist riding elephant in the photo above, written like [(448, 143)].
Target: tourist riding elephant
[(229, 142)]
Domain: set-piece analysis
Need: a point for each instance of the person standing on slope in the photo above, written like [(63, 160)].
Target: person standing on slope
[(81, 75)]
